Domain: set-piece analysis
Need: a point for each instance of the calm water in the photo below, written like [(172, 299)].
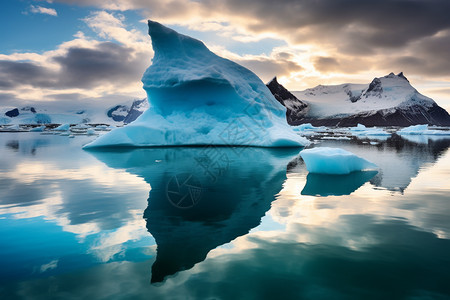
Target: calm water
[(221, 223)]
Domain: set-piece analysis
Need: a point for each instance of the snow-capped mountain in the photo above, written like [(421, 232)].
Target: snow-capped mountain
[(386, 101), (59, 113)]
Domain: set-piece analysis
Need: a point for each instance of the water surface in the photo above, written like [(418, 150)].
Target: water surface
[(222, 223)]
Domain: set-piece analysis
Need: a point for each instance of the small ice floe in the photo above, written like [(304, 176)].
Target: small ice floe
[(325, 160), (90, 131), (102, 127), (336, 138), (362, 130), (421, 130), (63, 127), (65, 133), (307, 127), (37, 129), (359, 127), (14, 127)]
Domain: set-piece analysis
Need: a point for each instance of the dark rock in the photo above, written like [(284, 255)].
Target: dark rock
[(414, 115), (137, 108), (375, 88), (117, 113), (12, 113), (295, 108), (29, 108), (402, 76)]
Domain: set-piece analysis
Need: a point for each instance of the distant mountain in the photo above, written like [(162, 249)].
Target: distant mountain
[(49, 113), (386, 101)]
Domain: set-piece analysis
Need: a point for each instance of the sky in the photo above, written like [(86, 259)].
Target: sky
[(97, 50)]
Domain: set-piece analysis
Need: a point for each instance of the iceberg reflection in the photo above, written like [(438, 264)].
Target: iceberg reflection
[(201, 197), (335, 185)]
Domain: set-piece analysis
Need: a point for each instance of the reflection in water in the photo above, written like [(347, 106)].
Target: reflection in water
[(202, 198), (335, 185), (398, 159)]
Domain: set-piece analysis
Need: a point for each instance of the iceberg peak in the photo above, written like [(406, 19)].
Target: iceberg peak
[(199, 98)]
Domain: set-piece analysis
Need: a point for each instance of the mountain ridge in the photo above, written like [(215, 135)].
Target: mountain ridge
[(386, 101)]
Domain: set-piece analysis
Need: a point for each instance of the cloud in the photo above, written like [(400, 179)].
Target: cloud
[(84, 67), (36, 9)]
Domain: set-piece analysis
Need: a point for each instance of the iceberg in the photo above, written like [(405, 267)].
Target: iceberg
[(199, 98), (326, 160), (421, 130)]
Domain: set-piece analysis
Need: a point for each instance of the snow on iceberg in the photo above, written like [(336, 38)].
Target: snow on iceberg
[(421, 130), (325, 160), (199, 98)]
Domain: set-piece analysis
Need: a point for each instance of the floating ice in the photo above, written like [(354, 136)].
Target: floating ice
[(359, 127), (90, 131), (14, 127), (307, 126), (361, 130), (199, 98), (325, 160), (63, 127), (37, 129), (421, 130)]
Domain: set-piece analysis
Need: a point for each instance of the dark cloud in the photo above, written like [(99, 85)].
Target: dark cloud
[(429, 57), (326, 64), (109, 62), (345, 65), (79, 68), (15, 73), (66, 96)]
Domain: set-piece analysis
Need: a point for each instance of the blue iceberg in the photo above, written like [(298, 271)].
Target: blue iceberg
[(199, 98), (325, 160)]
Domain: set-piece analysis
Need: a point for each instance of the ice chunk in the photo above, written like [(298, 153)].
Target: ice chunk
[(421, 130), (37, 129), (199, 98), (325, 160), (359, 127), (14, 127), (90, 131), (307, 126), (63, 127)]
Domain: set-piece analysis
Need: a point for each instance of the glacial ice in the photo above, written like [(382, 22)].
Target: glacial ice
[(63, 127), (37, 129), (326, 160), (361, 130), (421, 130), (359, 127), (199, 98)]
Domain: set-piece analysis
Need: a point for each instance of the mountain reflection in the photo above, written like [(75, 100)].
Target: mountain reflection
[(398, 159), (202, 197)]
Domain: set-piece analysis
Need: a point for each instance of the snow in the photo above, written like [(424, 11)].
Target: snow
[(63, 127), (326, 160), (421, 130), (337, 100), (199, 98)]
